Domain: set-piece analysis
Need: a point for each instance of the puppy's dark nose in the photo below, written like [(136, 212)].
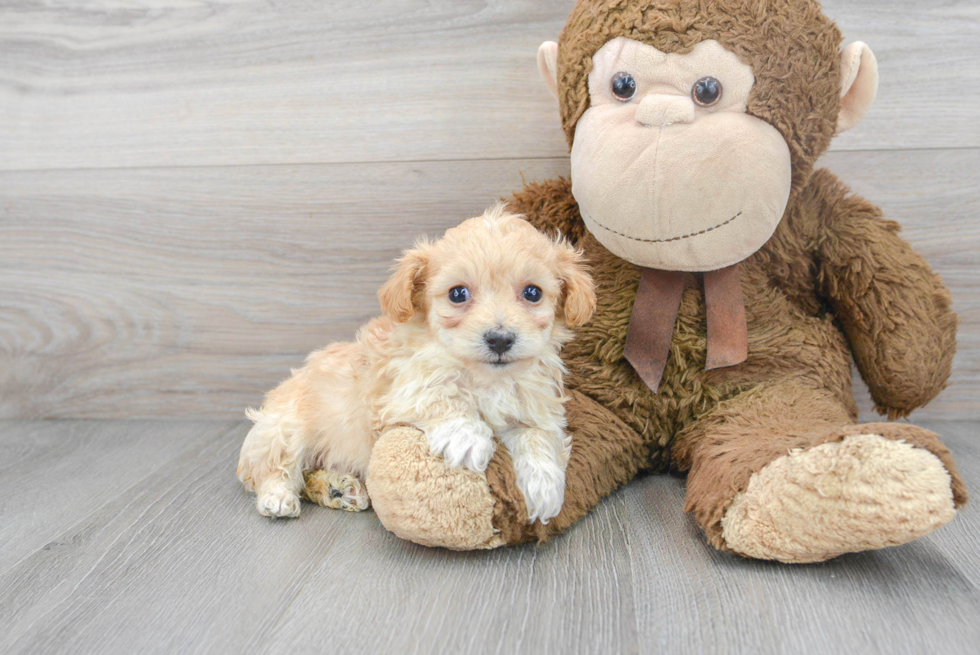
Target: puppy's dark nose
[(499, 342)]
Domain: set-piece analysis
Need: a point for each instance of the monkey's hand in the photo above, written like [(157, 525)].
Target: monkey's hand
[(893, 307)]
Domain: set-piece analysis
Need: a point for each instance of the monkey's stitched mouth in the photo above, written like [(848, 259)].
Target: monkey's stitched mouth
[(669, 239)]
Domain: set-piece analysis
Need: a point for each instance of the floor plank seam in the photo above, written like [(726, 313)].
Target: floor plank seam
[(394, 162), (628, 541)]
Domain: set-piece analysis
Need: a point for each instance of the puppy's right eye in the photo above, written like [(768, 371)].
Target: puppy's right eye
[(459, 295), (532, 293)]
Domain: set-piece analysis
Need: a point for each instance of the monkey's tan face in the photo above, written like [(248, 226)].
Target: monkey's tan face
[(668, 169)]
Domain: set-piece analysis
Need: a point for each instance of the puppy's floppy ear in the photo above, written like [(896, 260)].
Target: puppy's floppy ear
[(578, 289), (400, 295)]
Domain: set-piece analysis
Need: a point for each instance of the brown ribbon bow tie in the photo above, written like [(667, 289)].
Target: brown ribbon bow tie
[(658, 299)]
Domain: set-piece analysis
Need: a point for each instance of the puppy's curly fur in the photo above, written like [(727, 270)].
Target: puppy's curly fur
[(463, 366)]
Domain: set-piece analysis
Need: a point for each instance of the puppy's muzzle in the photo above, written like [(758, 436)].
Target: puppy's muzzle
[(499, 342)]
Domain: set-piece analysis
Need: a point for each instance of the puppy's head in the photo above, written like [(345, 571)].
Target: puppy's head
[(493, 290)]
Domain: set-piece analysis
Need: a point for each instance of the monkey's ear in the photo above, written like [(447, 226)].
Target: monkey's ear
[(400, 294), (859, 84), (548, 66)]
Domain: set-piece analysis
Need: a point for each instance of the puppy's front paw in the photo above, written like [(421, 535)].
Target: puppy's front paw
[(462, 442), (543, 486), (278, 502)]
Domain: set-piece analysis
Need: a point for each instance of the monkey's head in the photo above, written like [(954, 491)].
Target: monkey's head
[(692, 122)]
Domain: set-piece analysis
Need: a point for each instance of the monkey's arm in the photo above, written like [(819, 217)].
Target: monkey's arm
[(549, 205), (893, 307)]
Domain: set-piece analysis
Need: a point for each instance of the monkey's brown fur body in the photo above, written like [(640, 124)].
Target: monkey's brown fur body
[(835, 281), (794, 391)]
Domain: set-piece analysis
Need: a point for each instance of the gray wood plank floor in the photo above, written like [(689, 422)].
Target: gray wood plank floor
[(134, 536)]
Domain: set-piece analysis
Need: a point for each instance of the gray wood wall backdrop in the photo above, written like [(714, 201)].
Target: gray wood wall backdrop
[(193, 195)]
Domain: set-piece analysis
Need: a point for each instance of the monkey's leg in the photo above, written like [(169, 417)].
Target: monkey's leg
[(419, 498), (780, 472)]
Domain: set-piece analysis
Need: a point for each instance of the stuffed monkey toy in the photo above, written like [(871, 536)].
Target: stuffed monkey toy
[(735, 284)]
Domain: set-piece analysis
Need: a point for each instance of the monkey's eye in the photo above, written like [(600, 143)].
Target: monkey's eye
[(623, 86), (532, 293), (459, 295), (706, 91)]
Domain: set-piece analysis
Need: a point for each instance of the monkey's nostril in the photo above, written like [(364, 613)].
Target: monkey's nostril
[(499, 342)]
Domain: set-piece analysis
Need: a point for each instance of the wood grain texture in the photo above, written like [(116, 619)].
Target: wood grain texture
[(108, 84), (917, 598), (959, 542), (529, 599), (53, 472), (164, 563), (189, 292), (182, 562), (178, 560), (935, 195)]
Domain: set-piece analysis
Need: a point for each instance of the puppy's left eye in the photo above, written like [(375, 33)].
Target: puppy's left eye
[(459, 295), (532, 293)]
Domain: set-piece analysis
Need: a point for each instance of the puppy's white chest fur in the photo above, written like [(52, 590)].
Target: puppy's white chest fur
[(427, 385), (500, 404)]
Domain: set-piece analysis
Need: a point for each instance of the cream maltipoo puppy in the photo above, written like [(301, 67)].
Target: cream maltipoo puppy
[(467, 350)]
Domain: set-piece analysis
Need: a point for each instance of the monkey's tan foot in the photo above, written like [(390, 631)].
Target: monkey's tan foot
[(336, 490), (419, 498), (862, 492)]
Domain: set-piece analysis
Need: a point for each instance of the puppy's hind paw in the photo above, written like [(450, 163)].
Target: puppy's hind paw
[(336, 491), (278, 503)]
